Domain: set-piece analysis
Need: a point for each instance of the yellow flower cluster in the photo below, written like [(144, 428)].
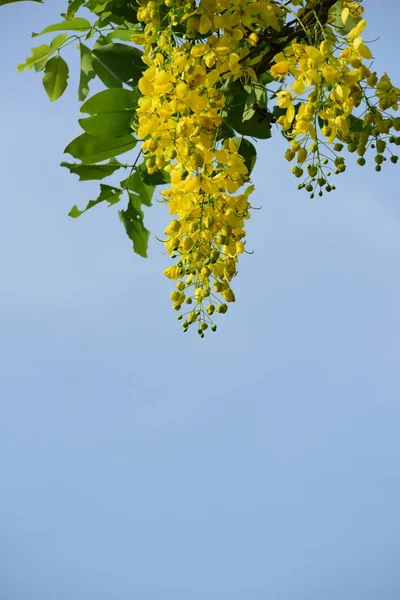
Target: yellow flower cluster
[(180, 117), (337, 82)]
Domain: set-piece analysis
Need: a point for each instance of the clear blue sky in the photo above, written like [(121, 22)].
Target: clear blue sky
[(136, 462)]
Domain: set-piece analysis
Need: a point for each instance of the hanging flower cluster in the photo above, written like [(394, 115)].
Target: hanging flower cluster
[(180, 117), (338, 83)]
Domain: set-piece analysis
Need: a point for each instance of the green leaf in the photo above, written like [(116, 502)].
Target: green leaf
[(91, 149), (55, 79), (160, 177), (321, 121), (235, 95), (132, 219), (136, 184), (108, 18), (126, 11), (248, 151), (105, 18), (108, 125), (277, 111), (3, 2), (87, 71), (108, 194), (73, 7), (265, 78), (112, 112), (92, 172), (112, 100), (123, 61), (248, 110), (261, 96), (121, 11), (124, 34), (38, 54), (55, 45), (256, 125), (357, 125), (77, 24), (104, 74), (259, 126)]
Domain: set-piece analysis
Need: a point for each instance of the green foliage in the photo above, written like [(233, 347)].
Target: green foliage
[(258, 125), (132, 219), (247, 112), (90, 149), (73, 6), (87, 71), (41, 54), (122, 61), (110, 125), (357, 125), (55, 79), (111, 100), (108, 194), (135, 183), (124, 34), (76, 24), (112, 113), (104, 74), (3, 2), (92, 172), (161, 177)]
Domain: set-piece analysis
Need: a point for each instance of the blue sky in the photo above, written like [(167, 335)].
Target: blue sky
[(138, 462)]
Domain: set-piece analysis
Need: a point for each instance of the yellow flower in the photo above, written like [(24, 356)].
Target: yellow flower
[(280, 69), (284, 99), (357, 30)]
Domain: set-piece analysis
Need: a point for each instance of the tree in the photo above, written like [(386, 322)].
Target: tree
[(187, 84)]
